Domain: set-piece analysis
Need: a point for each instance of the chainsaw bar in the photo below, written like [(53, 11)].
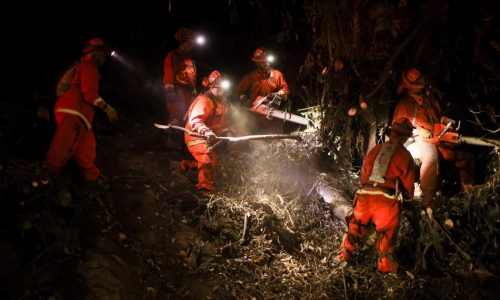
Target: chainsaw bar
[(276, 113)]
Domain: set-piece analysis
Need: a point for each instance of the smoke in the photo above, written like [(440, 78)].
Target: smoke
[(241, 121), (270, 167), (276, 165)]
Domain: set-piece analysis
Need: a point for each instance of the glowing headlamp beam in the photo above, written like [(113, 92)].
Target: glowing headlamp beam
[(200, 40), (116, 56), (225, 84), (270, 58)]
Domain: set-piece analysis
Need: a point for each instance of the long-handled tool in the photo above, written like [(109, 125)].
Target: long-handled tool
[(233, 138)]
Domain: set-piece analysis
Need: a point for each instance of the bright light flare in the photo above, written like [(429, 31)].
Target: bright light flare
[(200, 40), (270, 58), (225, 84), (119, 58)]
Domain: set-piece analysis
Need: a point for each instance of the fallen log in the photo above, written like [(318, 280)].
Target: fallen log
[(336, 199)]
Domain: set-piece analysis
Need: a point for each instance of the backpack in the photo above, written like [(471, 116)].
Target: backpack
[(65, 80)]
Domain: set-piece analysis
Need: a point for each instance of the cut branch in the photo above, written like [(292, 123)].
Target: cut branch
[(233, 138)]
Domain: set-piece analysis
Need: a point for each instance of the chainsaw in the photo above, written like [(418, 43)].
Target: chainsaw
[(443, 136), (266, 106)]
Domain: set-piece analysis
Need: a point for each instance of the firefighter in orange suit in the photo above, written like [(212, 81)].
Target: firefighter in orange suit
[(423, 110), (388, 171), (78, 92), (207, 115), (179, 81), (261, 82)]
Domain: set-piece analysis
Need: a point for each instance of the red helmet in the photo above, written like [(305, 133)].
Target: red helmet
[(413, 79), (95, 44), (402, 127), (259, 55), (214, 77), (183, 34), (216, 80)]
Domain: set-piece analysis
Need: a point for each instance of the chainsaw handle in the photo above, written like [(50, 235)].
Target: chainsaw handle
[(260, 102), (440, 135), (275, 99)]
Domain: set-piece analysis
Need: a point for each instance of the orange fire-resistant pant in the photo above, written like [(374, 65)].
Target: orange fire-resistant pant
[(384, 213), (429, 155), (207, 162), (72, 139)]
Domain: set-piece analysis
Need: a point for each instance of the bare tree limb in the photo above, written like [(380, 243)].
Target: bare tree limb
[(388, 66), (478, 123)]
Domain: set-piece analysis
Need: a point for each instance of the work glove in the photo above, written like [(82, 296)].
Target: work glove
[(424, 133), (111, 113), (210, 136)]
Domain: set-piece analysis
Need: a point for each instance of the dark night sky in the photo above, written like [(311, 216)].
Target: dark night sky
[(41, 38), (46, 37)]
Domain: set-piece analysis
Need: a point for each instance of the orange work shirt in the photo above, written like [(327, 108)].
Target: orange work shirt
[(206, 113), (257, 83), (401, 167), (82, 93), (422, 116), (179, 70)]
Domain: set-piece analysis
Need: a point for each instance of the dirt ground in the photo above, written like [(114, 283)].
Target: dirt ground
[(142, 233)]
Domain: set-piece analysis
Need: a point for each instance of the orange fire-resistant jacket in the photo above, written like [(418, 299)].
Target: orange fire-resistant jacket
[(82, 96), (206, 113), (421, 116), (258, 84), (401, 167), (179, 70)]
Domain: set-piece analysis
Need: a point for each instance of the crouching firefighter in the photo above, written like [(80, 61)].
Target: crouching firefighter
[(207, 115), (388, 172)]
